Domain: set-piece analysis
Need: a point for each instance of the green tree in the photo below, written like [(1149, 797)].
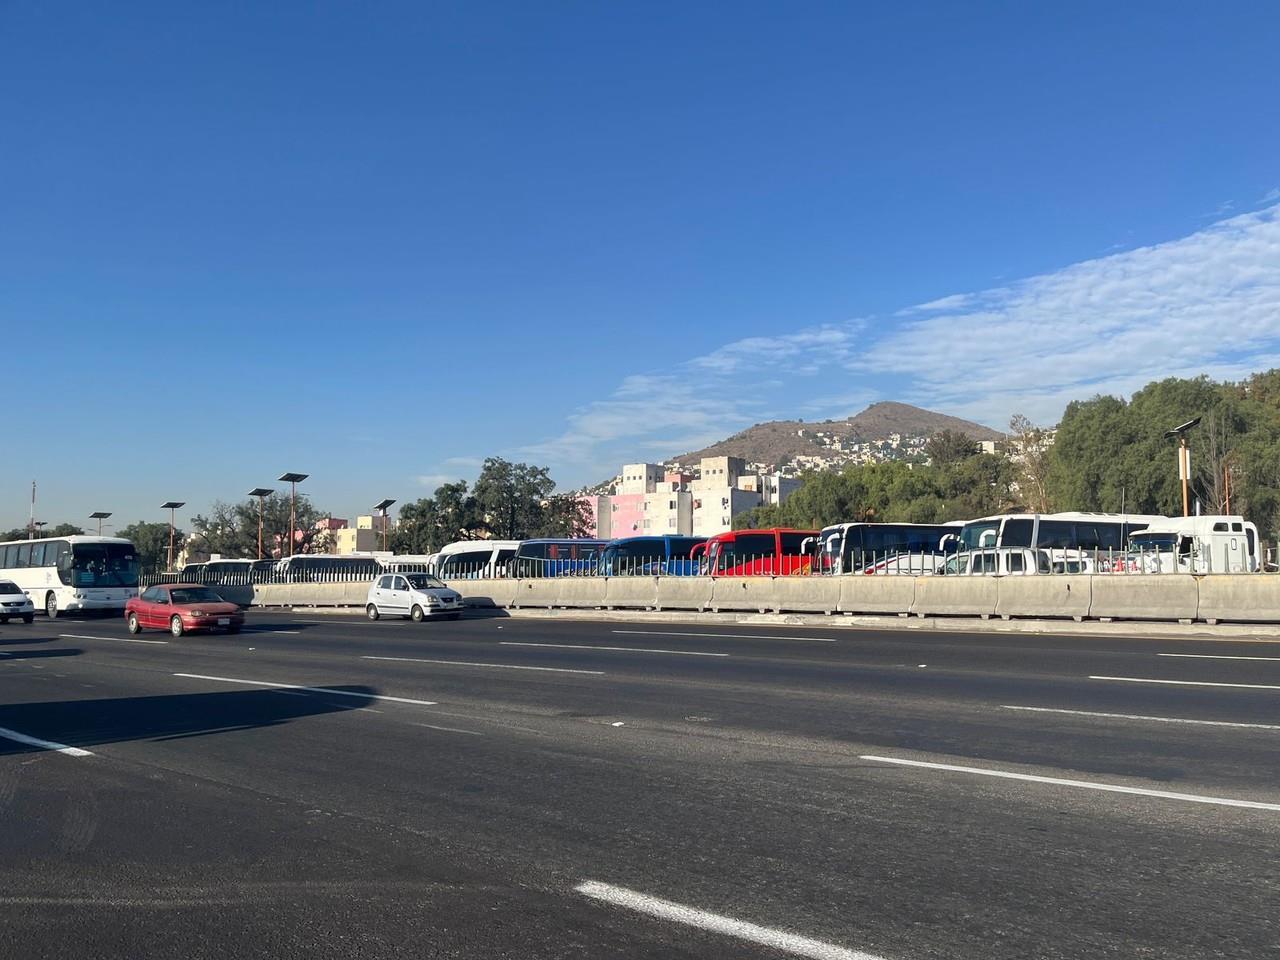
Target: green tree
[(231, 529), (948, 447), (511, 497), (427, 524), (565, 515), (152, 543)]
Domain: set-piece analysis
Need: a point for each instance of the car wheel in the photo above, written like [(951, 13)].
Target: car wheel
[(175, 626), (134, 625), (416, 613), (29, 618), (372, 612), (51, 605)]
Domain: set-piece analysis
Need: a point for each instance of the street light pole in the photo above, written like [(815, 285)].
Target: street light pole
[(1184, 461), (99, 515), (382, 505), (171, 506), (260, 493), (293, 479)]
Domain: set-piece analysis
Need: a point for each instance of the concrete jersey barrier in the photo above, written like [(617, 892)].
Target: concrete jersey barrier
[(683, 593), (743, 593), (806, 594), (1044, 596), (860, 593), (631, 592), (957, 596), (1244, 597), (1139, 596)]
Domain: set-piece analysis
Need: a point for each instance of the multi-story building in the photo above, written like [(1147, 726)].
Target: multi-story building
[(649, 500)]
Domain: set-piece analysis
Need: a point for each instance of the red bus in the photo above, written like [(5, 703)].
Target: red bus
[(755, 553)]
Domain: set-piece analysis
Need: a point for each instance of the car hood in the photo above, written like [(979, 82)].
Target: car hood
[(439, 593)]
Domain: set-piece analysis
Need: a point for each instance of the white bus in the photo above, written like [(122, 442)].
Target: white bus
[(877, 547), (475, 559), (1101, 534), (68, 574)]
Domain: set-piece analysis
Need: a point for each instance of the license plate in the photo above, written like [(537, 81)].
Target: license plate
[(224, 621)]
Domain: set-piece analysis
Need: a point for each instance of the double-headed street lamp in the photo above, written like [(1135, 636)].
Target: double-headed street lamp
[(171, 506), (261, 493), (100, 515), (293, 479), (382, 505), (1184, 460)]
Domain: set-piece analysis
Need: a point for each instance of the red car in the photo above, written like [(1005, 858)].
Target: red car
[(182, 607)]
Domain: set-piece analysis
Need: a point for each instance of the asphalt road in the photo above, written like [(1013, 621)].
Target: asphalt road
[(499, 787)]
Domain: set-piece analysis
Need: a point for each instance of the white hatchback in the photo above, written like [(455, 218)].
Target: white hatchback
[(15, 603), (416, 595)]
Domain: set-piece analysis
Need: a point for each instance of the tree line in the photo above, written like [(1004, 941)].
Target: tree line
[(1108, 455)]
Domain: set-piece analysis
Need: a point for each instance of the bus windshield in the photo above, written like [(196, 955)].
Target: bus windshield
[(100, 565)]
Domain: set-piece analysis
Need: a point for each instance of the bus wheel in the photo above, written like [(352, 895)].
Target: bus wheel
[(51, 605)]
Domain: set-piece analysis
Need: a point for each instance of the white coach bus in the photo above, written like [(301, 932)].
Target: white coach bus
[(66, 574)]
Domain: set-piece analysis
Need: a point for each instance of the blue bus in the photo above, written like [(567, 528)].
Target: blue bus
[(557, 558), (650, 556)]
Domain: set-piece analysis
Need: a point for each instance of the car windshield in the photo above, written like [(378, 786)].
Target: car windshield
[(104, 565), (8, 586), (423, 581), (194, 595)]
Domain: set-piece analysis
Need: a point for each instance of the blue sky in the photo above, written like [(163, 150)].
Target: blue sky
[(378, 243)]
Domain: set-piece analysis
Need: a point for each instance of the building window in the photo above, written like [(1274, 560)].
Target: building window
[(671, 504), (647, 523)]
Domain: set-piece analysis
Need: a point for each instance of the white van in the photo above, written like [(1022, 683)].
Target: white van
[(475, 559), (1016, 562), (1209, 544)]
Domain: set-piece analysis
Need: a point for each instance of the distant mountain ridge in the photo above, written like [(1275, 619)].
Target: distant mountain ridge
[(865, 436)]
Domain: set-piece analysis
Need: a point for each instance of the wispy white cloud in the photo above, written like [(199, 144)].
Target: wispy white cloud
[(1271, 196), (1206, 303)]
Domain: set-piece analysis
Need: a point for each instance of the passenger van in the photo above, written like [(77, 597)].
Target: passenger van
[(753, 553), (475, 559), (666, 556), (1015, 562), (556, 558), (1209, 544)]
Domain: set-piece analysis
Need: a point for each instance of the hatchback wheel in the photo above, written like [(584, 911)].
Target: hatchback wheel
[(134, 625), (372, 612), (175, 626), (416, 613)]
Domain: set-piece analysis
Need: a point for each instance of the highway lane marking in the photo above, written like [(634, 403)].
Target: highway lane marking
[(728, 636), (81, 636), (496, 666), (17, 737), (1081, 784), (1192, 683), (1214, 656), (431, 726), (590, 646), (268, 630), (294, 687), (1134, 716), (717, 923)]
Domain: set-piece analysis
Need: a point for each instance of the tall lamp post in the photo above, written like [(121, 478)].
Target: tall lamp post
[(261, 493), (1184, 460), (382, 505), (171, 506), (99, 515), (293, 479)]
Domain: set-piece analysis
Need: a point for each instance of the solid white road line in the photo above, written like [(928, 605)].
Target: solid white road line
[(727, 636), (80, 636), (1191, 683), (267, 630), (1081, 784), (590, 646), (296, 687), (496, 666), (43, 744), (1214, 656), (431, 726), (716, 923), (1134, 716)]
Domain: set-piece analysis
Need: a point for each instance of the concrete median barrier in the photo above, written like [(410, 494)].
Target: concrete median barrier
[(1138, 596), (863, 594), (586, 593), (743, 593), (631, 593), (806, 594), (486, 593), (538, 592), (311, 594), (683, 593), (954, 596), (1043, 596), (1243, 597)]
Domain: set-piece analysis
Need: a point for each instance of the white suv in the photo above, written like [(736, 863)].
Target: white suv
[(415, 595)]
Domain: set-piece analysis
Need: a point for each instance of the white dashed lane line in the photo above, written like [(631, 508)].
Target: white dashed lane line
[(81, 636), (1192, 683), (22, 738), (298, 688), (1136, 716), (493, 666), (588, 646)]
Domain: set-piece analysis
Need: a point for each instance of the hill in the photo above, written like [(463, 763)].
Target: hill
[(782, 444)]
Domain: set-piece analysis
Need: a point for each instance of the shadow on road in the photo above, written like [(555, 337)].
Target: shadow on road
[(84, 723), (6, 641), (39, 654)]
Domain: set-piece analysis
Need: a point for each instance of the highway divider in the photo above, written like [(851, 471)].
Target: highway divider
[(1246, 598)]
